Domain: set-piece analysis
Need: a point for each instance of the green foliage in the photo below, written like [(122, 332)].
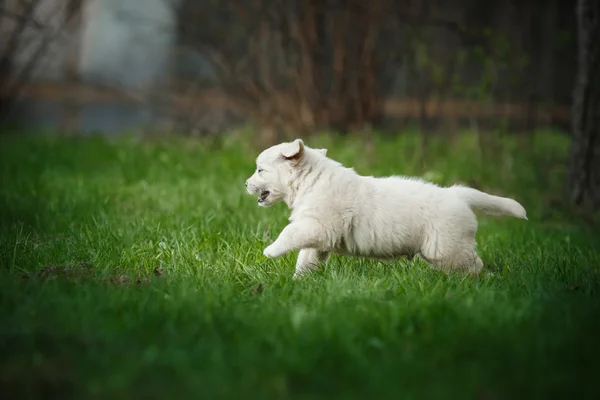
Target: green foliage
[(493, 54), (134, 269), (425, 63)]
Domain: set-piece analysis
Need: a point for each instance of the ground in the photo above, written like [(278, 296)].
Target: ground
[(135, 269)]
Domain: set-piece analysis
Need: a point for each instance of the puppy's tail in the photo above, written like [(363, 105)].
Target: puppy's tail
[(490, 204)]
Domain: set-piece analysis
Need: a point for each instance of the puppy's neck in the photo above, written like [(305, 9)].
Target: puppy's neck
[(309, 175)]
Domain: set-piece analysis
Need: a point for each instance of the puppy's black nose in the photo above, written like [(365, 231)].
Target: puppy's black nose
[(246, 183)]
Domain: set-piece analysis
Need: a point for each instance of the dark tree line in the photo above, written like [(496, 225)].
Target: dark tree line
[(294, 66), (297, 65)]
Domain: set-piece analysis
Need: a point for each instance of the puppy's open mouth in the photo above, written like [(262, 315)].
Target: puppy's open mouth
[(263, 196)]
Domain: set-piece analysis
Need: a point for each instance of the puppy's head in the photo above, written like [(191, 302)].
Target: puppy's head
[(276, 169)]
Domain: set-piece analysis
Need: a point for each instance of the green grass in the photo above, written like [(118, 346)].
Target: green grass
[(135, 270)]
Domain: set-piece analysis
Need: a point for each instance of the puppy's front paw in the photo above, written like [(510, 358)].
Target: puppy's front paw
[(269, 252)]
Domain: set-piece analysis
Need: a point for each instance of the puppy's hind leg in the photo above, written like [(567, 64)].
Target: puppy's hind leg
[(308, 260), (462, 256), (465, 259)]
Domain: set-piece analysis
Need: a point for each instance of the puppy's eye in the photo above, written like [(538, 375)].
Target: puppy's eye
[(259, 170)]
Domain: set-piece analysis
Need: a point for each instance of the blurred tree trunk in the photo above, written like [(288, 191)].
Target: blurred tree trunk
[(584, 168)]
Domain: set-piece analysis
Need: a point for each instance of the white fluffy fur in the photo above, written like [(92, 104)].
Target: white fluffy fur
[(335, 210)]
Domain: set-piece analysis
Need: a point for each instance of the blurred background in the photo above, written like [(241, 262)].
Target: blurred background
[(288, 67)]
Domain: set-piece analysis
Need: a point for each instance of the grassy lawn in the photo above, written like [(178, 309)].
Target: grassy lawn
[(135, 270)]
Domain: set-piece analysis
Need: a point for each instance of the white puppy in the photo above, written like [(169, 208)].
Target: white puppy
[(335, 210)]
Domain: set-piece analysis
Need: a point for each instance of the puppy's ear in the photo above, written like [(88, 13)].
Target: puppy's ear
[(322, 151), (293, 150)]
